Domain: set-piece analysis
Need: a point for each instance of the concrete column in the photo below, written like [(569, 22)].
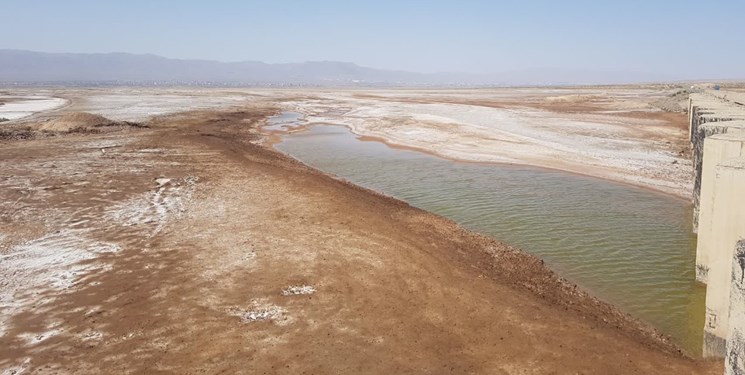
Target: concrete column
[(705, 131), (734, 361), (727, 227), (717, 148)]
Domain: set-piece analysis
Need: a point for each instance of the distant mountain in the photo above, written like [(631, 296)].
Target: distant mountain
[(35, 67)]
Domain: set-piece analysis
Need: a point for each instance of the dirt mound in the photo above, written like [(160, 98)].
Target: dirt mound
[(75, 120)]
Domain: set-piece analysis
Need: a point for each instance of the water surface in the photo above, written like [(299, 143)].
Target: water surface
[(629, 246), (284, 121)]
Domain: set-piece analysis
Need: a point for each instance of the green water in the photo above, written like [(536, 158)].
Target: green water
[(627, 245)]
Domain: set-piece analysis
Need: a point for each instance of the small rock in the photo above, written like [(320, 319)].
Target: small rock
[(162, 181)]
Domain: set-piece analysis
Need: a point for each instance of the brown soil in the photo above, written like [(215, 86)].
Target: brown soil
[(81, 122), (197, 286), (75, 120)]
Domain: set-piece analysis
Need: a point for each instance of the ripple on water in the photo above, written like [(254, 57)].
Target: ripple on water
[(629, 246)]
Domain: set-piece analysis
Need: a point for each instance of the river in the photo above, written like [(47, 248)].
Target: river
[(629, 246)]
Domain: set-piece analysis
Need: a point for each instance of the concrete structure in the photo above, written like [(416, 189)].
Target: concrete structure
[(704, 131), (707, 114), (717, 149), (734, 360), (727, 228), (717, 135), (712, 106)]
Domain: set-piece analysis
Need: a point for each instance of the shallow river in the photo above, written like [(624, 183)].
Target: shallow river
[(629, 246)]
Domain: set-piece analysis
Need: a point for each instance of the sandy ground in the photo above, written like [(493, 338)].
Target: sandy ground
[(181, 245)]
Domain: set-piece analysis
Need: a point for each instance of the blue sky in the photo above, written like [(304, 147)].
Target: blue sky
[(685, 39)]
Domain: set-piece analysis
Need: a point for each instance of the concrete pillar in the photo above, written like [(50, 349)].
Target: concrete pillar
[(727, 227), (717, 148), (704, 131), (734, 360)]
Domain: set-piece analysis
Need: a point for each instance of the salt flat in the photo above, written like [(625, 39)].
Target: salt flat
[(629, 134), (614, 133), (16, 107)]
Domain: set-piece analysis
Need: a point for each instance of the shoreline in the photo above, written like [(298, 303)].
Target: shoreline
[(651, 333), (616, 135), (397, 288), (274, 138)]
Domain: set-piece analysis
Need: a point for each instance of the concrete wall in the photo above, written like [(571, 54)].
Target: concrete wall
[(708, 112), (727, 228), (717, 148), (734, 361), (717, 135), (704, 131), (711, 107)]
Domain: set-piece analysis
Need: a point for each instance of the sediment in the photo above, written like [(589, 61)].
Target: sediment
[(192, 233)]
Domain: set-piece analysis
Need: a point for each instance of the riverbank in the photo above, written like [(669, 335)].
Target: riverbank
[(627, 245), (633, 134), (629, 134), (182, 245)]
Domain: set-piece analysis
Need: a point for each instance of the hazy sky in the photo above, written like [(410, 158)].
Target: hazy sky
[(685, 39)]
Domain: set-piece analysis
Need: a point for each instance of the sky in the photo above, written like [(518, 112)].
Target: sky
[(678, 39)]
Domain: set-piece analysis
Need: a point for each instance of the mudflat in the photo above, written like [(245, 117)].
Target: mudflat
[(183, 245)]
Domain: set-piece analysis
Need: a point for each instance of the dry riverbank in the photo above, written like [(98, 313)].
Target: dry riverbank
[(180, 245), (630, 134), (626, 134)]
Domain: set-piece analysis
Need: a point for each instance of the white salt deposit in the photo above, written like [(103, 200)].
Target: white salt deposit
[(298, 290), (139, 107), (91, 335), (55, 261), (17, 369), (155, 208), (597, 144), (261, 309), (35, 338), (26, 106)]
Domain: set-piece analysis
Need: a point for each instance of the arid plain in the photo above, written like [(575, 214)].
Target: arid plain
[(157, 229)]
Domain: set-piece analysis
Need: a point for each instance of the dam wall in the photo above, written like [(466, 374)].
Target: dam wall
[(717, 149), (710, 113), (711, 106), (734, 362), (717, 136), (704, 131), (727, 228)]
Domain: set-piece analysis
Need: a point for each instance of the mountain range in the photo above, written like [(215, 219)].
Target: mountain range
[(21, 66)]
